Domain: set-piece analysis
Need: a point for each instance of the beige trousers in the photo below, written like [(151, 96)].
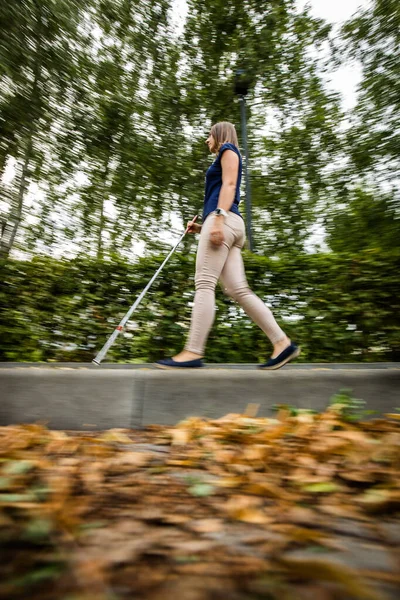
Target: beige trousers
[(224, 263)]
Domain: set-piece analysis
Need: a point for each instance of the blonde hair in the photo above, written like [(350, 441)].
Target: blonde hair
[(223, 132)]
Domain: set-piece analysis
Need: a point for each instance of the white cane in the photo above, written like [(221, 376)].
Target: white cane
[(97, 360)]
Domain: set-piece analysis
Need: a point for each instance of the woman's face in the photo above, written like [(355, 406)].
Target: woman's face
[(210, 141)]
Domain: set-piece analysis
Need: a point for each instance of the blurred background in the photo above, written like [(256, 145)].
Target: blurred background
[(105, 106)]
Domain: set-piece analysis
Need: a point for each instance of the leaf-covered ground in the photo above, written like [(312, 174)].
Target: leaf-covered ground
[(298, 507)]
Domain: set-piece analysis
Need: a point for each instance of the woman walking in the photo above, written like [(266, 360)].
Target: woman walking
[(219, 258)]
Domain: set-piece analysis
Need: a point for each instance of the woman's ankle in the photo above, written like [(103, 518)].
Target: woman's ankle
[(280, 345), (187, 355)]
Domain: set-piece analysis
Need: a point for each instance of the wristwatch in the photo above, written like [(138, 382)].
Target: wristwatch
[(220, 211)]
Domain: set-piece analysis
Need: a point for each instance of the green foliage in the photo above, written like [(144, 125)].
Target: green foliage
[(107, 111), (373, 38), (89, 92), (37, 67), (293, 120), (37, 575), (367, 222), (38, 529), (340, 308), (351, 409)]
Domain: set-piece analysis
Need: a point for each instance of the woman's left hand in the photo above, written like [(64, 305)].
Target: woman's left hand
[(217, 232)]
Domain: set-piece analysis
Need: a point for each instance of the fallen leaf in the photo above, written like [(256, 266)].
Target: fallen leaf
[(115, 435), (322, 487), (180, 437), (18, 467), (201, 489), (206, 525), (379, 500), (267, 489), (323, 570)]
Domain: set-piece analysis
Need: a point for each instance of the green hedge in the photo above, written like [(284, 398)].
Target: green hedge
[(338, 307)]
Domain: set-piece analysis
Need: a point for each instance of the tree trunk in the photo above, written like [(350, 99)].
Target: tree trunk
[(10, 226), (15, 217), (105, 196)]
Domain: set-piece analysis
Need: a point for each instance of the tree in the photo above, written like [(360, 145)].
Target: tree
[(373, 38), (293, 119), (125, 138), (101, 106), (36, 65), (369, 221)]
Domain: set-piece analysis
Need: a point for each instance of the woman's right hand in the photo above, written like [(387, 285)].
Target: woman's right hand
[(193, 227)]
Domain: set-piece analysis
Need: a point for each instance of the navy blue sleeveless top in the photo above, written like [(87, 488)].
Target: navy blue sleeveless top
[(214, 183)]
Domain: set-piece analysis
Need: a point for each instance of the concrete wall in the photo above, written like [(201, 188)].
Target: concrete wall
[(82, 396)]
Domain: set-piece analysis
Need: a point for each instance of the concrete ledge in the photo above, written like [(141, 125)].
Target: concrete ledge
[(170, 396), (67, 399), (89, 397)]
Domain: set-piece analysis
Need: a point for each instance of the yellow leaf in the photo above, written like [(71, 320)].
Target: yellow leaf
[(229, 418), (318, 569), (302, 534), (251, 515), (115, 435), (255, 452), (246, 508), (180, 437), (229, 481), (136, 459), (206, 525), (63, 445), (267, 489), (98, 450), (224, 456), (181, 462), (379, 500)]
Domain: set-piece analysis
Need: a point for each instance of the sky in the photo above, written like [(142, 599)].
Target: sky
[(344, 80)]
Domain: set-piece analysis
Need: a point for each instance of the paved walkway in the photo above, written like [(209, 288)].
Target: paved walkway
[(83, 396)]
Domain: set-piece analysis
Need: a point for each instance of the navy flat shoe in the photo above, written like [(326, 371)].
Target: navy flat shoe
[(287, 354), (170, 363)]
